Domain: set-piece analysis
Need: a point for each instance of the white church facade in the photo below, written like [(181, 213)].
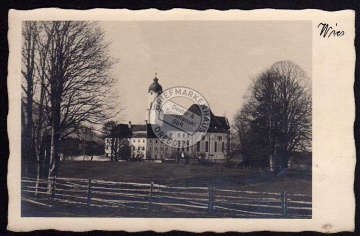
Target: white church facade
[(144, 143)]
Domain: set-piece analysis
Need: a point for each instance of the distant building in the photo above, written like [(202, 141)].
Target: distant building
[(144, 143)]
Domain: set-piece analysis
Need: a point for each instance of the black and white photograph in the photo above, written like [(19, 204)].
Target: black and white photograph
[(170, 119), (91, 145)]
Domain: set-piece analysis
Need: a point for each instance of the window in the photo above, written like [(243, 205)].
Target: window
[(183, 135), (143, 148), (155, 149), (143, 140), (160, 156), (206, 146), (155, 156), (150, 149), (178, 148), (161, 148), (198, 146), (134, 140), (170, 135), (178, 135), (139, 148), (156, 141), (219, 138), (215, 146), (150, 141), (138, 140), (134, 148), (187, 147), (223, 147)]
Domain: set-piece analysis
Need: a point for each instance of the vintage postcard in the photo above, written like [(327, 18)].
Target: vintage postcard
[(181, 120)]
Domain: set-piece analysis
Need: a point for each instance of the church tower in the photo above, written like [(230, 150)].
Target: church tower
[(155, 89)]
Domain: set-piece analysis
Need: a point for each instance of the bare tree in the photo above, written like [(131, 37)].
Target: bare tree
[(275, 120), (30, 36), (117, 140), (78, 77), (108, 130), (71, 64)]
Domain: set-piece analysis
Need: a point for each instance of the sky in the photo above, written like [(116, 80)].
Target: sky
[(218, 59)]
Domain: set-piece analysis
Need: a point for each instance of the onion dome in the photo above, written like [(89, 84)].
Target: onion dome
[(155, 86)]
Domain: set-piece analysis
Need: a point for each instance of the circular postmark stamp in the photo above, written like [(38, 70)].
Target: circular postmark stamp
[(176, 124)]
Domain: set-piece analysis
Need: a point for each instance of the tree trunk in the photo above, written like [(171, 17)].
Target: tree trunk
[(53, 165), (116, 149), (39, 170), (271, 159), (112, 149), (54, 147)]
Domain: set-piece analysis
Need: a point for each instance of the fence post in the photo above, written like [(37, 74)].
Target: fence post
[(211, 199), (89, 193), (150, 195), (53, 182), (284, 203)]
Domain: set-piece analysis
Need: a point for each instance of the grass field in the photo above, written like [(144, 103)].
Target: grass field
[(296, 181)]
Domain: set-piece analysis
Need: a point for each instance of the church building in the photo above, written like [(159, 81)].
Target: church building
[(145, 144)]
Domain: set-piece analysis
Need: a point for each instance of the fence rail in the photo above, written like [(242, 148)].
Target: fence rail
[(210, 200)]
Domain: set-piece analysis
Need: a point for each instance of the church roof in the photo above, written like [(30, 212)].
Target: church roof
[(218, 124), (139, 135), (138, 128), (121, 131), (155, 86)]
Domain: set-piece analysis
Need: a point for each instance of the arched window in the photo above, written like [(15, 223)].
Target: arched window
[(206, 146), (134, 148), (215, 146), (223, 147), (198, 146), (143, 148), (139, 148)]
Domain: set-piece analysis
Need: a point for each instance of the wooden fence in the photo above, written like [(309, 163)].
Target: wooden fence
[(211, 201)]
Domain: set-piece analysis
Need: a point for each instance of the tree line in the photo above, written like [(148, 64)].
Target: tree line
[(66, 86), (275, 119)]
